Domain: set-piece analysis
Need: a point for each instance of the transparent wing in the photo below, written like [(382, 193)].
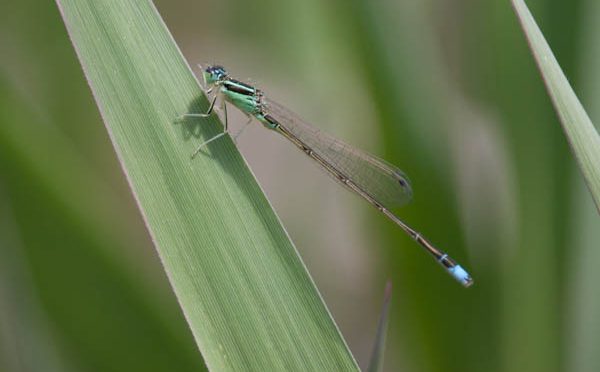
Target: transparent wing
[(383, 181)]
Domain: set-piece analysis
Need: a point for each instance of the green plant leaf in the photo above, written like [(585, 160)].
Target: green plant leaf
[(582, 136), (246, 294), (376, 361)]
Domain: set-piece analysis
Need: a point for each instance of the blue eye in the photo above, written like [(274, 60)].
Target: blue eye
[(218, 72), (214, 74)]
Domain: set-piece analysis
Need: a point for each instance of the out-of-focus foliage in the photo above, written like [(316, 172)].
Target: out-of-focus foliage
[(377, 357), (448, 91)]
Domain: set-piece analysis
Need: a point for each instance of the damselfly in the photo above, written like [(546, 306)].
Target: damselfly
[(383, 185)]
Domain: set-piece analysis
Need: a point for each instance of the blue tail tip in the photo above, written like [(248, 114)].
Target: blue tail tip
[(461, 275)]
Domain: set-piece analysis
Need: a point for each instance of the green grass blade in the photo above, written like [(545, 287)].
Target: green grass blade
[(245, 292), (376, 361), (583, 323), (582, 136)]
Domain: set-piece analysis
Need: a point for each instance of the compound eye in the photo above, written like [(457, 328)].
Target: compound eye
[(218, 71)]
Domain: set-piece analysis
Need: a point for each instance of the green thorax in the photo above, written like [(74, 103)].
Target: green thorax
[(248, 99), (242, 96)]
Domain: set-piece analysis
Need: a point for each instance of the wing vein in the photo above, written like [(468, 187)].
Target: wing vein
[(383, 181)]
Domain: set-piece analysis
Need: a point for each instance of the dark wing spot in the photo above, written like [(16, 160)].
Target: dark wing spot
[(401, 179)]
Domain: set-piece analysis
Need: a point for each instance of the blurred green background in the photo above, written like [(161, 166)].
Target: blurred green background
[(447, 90)]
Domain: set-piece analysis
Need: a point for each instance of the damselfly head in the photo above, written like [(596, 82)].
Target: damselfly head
[(214, 75)]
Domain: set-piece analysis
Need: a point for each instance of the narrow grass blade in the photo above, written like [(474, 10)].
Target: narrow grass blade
[(582, 136), (246, 294), (376, 361), (582, 321)]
